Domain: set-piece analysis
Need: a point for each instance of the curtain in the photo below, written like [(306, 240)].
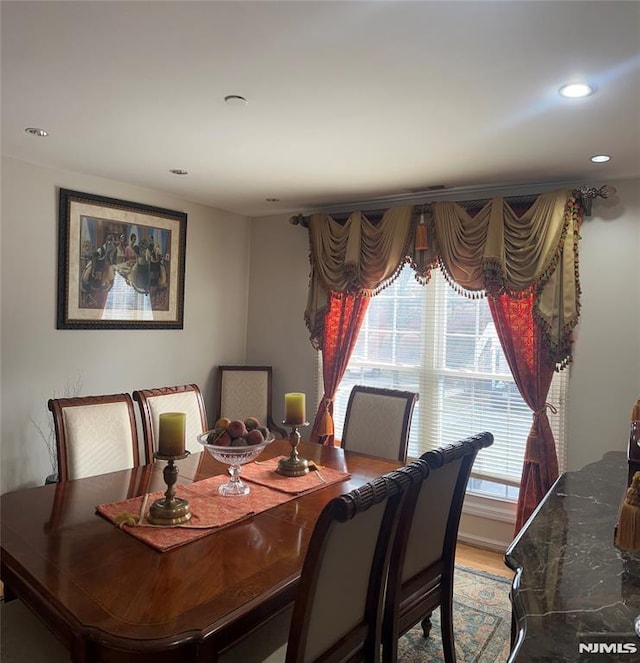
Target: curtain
[(521, 340), (349, 263), (524, 332), (340, 333), (527, 263), (356, 256), (502, 252)]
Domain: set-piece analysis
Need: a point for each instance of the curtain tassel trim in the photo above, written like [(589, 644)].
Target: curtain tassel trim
[(421, 242), (325, 426), (456, 287)]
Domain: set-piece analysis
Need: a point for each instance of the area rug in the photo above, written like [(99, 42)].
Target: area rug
[(481, 623)]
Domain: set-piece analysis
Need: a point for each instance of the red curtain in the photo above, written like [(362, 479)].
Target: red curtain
[(521, 339), (342, 323)]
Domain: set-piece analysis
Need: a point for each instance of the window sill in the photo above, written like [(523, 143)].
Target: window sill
[(491, 508)]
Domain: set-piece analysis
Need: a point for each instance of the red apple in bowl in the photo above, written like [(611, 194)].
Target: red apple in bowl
[(236, 428), (251, 423), (254, 437)]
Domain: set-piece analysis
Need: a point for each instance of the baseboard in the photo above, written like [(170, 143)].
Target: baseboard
[(482, 541)]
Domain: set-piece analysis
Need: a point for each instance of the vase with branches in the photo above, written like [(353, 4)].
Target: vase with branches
[(46, 430)]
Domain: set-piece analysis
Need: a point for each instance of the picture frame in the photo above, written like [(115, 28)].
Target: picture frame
[(121, 265)]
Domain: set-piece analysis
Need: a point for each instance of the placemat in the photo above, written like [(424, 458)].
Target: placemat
[(207, 515), (264, 473), (211, 511)]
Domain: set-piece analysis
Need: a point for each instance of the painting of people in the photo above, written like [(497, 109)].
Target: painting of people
[(118, 263), (112, 252)]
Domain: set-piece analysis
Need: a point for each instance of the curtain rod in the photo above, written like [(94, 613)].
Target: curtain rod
[(585, 192)]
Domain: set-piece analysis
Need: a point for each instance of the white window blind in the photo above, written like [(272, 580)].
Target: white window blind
[(443, 345)]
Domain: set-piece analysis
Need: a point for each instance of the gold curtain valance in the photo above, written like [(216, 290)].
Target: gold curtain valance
[(496, 251), (357, 256)]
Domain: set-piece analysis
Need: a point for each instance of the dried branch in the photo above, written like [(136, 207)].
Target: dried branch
[(48, 432)]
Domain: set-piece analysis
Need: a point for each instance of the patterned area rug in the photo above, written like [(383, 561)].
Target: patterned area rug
[(481, 622)]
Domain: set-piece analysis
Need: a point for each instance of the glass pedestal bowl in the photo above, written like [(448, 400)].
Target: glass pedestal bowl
[(235, 458)]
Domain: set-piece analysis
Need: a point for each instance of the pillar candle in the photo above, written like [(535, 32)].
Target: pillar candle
[(294, 409), (171, 435)]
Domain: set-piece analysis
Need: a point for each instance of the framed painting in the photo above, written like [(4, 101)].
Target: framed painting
[(120, 264)]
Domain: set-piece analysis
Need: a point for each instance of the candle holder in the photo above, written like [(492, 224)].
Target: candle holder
[(169, 510), (294, 466)]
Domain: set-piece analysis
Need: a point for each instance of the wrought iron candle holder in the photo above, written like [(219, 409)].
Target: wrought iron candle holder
[(294, 466), (169, 510)]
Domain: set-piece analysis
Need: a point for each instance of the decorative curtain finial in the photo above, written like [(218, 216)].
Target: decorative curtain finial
[(299, 220), (587, 194)]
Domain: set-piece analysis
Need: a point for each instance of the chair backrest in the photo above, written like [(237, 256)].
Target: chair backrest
[(95, 435), (337, 614), (183, 398), (378, 421), (245, 391), (422, 565)]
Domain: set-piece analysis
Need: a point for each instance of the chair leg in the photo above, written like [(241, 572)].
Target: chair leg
[(389, 647), (446, 621), (426, 625)]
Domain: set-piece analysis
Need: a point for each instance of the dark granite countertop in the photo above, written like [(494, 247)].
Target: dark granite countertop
[(572, 585)]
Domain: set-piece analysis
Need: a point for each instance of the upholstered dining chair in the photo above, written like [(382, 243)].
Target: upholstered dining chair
[(422, 562), (182, 398), (95, 435), (378, 421), (245, 391), (337, 614), (23, 637)]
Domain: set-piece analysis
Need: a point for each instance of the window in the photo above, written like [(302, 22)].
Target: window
[(443, 345)]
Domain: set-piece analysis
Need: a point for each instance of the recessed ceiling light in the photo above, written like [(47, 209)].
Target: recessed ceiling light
[(235, 100), (178, 171), (272, 200), (35, 131), (600, 158), (576, 90)]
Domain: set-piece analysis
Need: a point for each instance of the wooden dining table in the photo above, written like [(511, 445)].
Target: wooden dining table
[(109, 597)]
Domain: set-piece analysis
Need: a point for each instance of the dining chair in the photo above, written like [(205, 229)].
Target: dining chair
[(95, 435), (183, 398), (423, 556), (337, 614), (23, 637), (245, 391), (378, 421)]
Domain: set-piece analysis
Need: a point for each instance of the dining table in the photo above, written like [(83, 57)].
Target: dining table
[(111, 597)]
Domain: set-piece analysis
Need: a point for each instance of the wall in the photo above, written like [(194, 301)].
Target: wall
[(605, 376), (277, 334), (39, 361)]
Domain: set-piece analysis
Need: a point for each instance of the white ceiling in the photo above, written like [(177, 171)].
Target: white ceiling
[(348, 101)]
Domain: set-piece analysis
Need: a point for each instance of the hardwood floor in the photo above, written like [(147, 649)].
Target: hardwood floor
[(482, 559)]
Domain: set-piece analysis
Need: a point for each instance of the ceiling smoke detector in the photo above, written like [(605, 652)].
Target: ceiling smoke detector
[(235, 100), (35, 131)]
